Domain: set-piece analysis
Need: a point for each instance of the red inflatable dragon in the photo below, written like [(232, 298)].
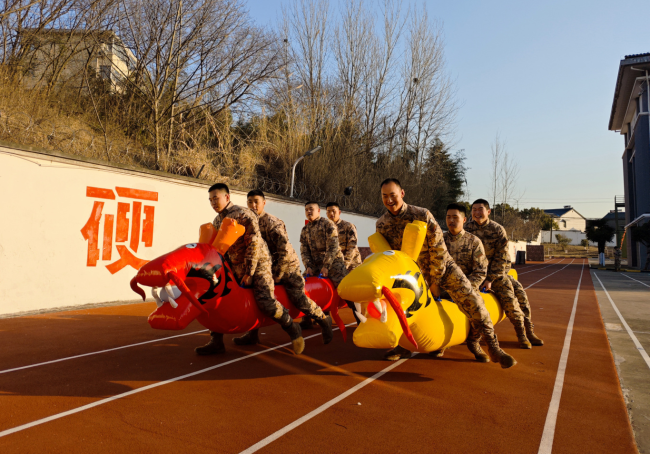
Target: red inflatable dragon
[(207, 290)]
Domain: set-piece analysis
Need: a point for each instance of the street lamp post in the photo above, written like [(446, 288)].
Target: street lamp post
[(293, 169)]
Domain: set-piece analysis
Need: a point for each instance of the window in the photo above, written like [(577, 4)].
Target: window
[(105, 72)]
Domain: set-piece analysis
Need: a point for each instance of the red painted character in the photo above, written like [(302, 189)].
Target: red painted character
[(208, 290)]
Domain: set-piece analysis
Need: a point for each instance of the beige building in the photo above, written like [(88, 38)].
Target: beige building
[(56, 57)]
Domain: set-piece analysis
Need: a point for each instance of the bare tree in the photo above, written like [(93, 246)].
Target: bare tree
[(496, 167)]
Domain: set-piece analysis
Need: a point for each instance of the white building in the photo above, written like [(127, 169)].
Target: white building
[(568, 218)]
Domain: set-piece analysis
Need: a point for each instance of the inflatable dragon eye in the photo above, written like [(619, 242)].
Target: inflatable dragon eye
[(190, 246), (389, 252)]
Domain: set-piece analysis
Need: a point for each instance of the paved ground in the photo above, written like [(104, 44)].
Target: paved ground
[(630, 294), (100, 380)]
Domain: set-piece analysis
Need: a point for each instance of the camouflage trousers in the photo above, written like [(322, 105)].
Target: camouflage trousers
[(469, 302), (336, 272), (263, 288), (505, 293), (522, 298), (294, 285)]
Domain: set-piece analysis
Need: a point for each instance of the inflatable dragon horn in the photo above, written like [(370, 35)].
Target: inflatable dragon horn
[(175, 266)]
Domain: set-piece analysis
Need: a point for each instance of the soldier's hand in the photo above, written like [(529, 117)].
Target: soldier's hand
[(324, 272), (435, 290), (247, 281), (277, 280), (308, 272), (487, 286)]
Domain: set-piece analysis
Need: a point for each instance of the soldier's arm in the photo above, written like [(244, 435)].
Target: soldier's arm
[(280, 239), (332, 244), (305, 250), (437, 249), (252, 241), (351, 235), (480, 265), (501, 257)]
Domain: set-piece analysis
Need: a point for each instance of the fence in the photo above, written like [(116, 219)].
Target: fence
[(575, 236)]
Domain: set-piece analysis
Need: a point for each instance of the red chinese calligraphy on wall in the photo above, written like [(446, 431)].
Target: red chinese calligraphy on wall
[(133, 225)]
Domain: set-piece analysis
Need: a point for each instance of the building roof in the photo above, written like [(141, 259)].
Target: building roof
[(625, 85), (559, 212), (610, 216)]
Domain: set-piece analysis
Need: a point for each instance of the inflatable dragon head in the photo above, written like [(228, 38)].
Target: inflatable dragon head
[(389, 279)]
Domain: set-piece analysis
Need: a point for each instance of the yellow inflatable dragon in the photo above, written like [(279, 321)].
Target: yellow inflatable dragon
[(395, 305)]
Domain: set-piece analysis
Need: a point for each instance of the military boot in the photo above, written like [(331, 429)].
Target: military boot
[(214, 347), (497, 355), (250, 338), (521, 336), (294, 332), (437, 353), (397, 353), (474, 346), (530, 334), (326, 325), (306, 322)]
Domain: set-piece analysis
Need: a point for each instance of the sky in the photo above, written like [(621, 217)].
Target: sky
[(541, 75)]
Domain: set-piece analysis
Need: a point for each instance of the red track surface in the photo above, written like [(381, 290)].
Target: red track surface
[(453, 404)]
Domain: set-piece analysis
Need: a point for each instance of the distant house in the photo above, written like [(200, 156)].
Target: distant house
[(65, 56), (568, 218), (630, 117)]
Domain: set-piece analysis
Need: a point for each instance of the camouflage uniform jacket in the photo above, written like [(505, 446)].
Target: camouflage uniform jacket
[(348, 243), (249, 248), (319, 244), (468, 253), (495, 241), (284, 257), (434, 257)]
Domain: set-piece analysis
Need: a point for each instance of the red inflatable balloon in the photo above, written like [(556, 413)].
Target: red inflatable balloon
[(210, 293)]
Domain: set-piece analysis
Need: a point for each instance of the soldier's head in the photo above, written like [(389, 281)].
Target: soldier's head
[(312, 211), (256, 201), (333, 211), (219, 196), (481, 211), (392, 195), (456, 216)]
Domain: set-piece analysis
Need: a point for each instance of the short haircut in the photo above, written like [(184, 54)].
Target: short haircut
[(390, 180), (481, 202), (311, 202), (256, 192), (219, 187), (333, 204), (457, 206)]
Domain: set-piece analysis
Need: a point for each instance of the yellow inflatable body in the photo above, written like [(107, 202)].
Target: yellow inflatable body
[(389, 281)]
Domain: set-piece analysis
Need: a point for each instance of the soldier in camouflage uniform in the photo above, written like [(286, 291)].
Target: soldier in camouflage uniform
[(285, 269), (522, 298), (347, 236), (438, 269), (467, 252), (251, 262), (495, 241), (617, 258)]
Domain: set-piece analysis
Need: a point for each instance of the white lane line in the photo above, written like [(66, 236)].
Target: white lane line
[(98, 352), (583, 264), (642, 283), (539, 269), (638, 345), (537, 264), (546, 444), (288, 428), (4, 433)]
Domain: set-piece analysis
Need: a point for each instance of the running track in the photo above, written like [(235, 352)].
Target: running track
[(334, 398)]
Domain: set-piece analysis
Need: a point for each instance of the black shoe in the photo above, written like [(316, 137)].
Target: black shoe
[(295, 334), (214, 347), (250, 338), (397, 353)]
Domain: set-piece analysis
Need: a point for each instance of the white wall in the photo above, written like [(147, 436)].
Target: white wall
[(575, 237), (44, 206)]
